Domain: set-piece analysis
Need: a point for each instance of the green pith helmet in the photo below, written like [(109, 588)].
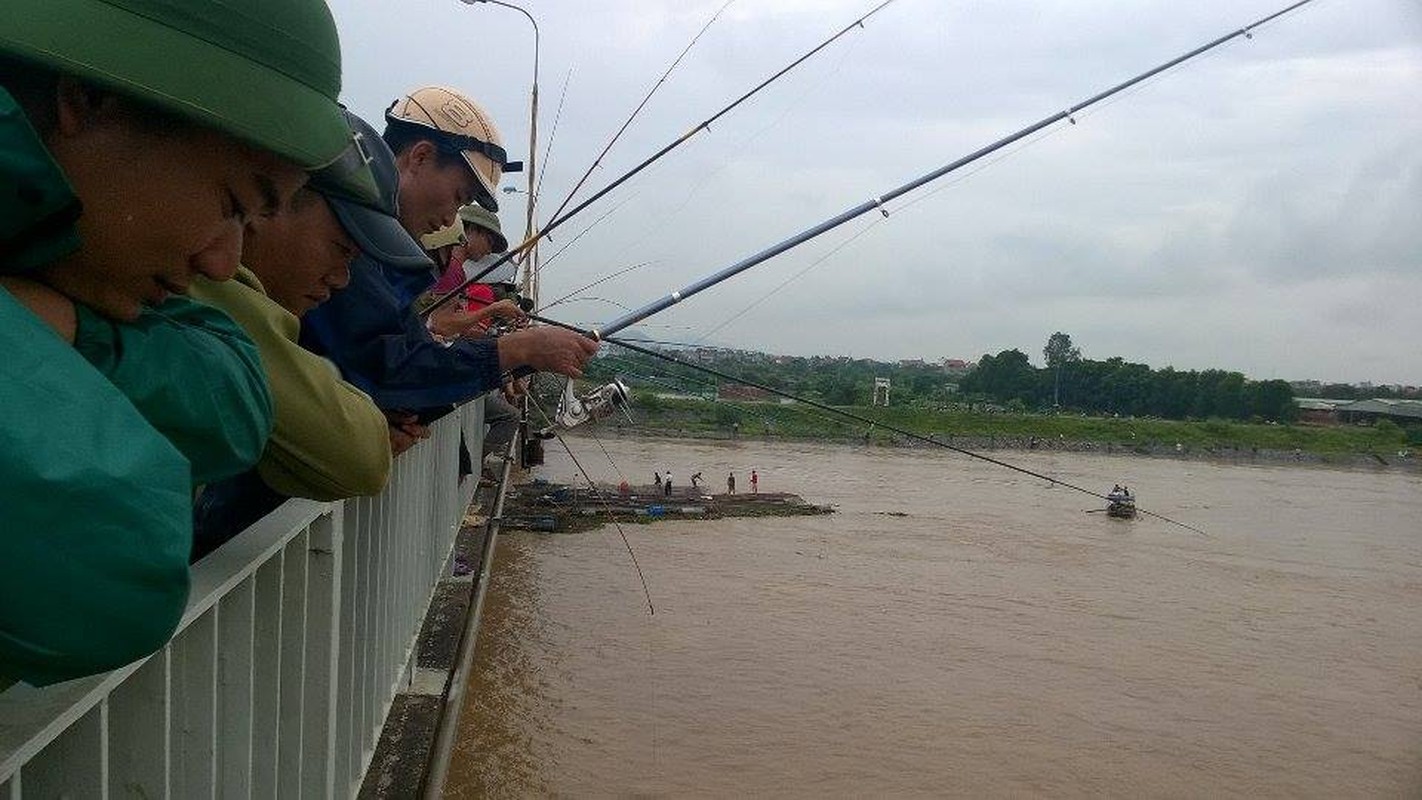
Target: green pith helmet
[(480, 217), (265, 71)]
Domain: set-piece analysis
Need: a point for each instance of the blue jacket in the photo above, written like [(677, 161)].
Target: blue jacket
[(370, 332)]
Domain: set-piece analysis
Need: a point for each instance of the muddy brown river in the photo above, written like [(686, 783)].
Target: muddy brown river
[(960, 630)]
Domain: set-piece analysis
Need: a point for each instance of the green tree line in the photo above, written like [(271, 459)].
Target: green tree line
[(1116, 386), (1070, 382)]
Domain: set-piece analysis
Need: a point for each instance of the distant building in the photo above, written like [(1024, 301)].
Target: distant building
[(1380, 408), (739, 392), (881, 392), (1318, 410), (1324, 411)]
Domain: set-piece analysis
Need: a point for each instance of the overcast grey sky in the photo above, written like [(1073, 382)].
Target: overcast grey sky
[(1259, 209)]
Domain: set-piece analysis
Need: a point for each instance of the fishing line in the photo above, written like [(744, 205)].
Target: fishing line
[(573, 294), (703, 383), (624, 201), (766, 296), (597, 162), (597, 493), (662, 326), (620, 475), (700, 345), (591, 299), (552, 135), (742, 145), (704, 125)]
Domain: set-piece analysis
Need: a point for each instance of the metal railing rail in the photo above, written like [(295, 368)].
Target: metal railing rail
[(298, 634)]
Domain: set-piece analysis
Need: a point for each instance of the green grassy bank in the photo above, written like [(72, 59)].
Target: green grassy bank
[(703, 418)]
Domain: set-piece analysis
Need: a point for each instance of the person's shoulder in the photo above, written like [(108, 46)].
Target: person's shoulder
[(245, 300), (244, 289)]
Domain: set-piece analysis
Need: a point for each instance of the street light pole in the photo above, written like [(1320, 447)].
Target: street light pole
[(530, 275)]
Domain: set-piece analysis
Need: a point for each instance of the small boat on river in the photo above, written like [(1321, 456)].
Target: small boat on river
[(1120, 503)]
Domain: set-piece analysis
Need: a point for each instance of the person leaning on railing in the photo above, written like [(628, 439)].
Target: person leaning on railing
[(330, 441), (464, 249), (129, 160), (449, 153)]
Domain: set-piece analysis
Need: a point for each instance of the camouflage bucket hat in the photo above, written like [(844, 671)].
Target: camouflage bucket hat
[(481, 217), (267, 72), (453, 233)]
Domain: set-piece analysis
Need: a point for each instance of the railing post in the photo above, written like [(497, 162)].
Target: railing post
[(236, 633), (140, 731), (292, 681), (323, 646)]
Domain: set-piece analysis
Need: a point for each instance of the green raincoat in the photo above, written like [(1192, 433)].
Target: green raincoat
[(96, 503), (194, 375)]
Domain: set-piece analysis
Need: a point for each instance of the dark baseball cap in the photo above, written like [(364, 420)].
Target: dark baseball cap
[(375, 227)]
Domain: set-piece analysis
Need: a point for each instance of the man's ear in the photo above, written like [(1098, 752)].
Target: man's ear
[(423, 153), (80, 107)]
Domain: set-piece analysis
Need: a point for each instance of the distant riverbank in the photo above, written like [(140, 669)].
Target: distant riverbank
[(1214, 440)]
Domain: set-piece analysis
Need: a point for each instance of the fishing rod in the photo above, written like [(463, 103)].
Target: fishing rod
[(647, 162), (877, 203), (597, 162), (849, 415)]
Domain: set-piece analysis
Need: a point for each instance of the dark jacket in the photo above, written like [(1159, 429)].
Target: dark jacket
[(371, 333)]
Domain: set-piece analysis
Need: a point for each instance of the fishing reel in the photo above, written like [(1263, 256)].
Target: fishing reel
[(499, 327), (592, 405)]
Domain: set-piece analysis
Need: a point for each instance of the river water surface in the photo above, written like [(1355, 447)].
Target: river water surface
[(956, 629)]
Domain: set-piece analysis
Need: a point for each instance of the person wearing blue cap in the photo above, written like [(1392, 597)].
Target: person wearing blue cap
[(330, 441)]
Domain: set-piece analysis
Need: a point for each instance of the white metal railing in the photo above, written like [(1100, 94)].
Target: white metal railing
[(298, 635)]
